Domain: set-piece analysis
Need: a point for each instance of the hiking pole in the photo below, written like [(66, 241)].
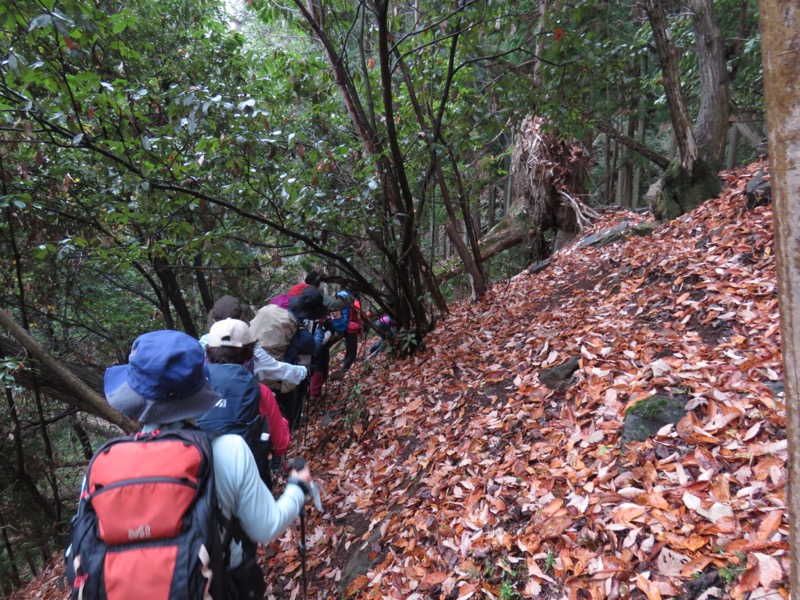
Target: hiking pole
[(302, 410), (311, 490)]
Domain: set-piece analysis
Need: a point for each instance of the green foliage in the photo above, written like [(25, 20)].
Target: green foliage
[(510, 578), (731, 572), (549, 561)]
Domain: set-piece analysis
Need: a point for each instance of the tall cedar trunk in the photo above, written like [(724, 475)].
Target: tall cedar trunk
[(626, 168), (637, 170), (676, 100), (607, 166), (491, 208), (711, 125), (612, 191), (541, 39), (733, 146), (780, 23)]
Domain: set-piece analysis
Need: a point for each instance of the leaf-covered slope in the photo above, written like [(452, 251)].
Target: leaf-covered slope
[(463, 476), (456, 474)]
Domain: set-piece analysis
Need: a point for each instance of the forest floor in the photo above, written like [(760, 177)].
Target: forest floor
[(456, 474)]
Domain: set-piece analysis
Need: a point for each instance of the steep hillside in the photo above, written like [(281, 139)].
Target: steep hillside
[(458, 474), (462, 476)]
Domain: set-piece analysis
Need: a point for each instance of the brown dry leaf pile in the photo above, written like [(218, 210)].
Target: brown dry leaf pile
[(456, 474), (464, 477)]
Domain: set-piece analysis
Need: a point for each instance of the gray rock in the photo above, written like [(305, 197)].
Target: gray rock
[(758, 191), (558, 377), (539, 266), (360, 562), (607, 236)]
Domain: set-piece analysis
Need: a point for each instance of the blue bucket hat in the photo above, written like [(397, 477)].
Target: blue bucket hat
[(165, 380)]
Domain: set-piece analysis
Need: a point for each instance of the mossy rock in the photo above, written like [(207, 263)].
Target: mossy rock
[(681, 191), (646, 417), (643, 229)]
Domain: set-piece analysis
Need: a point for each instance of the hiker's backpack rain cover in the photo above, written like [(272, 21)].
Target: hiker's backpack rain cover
[(148, 525)]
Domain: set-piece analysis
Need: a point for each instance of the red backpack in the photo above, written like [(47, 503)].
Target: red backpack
[(354, 318), (148, 524)]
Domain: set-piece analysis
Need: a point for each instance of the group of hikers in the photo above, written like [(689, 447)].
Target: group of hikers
[(178, 509)]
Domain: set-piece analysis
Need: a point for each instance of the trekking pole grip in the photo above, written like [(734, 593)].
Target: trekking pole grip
[(310, 489)]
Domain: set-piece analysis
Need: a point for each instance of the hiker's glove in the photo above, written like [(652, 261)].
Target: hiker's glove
[(303, 485), (327, 337)]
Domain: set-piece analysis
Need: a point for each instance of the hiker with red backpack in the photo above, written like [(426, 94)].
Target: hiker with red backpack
[(153, 504), (247, 407)]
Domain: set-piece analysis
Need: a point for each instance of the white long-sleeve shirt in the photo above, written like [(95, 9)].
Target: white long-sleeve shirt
[(266, 367), (242, 495)]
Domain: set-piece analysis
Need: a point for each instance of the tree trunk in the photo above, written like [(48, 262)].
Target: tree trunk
[(733, 146), (637, 171), (540, 42), (780, 22), (746, 125), (612, 190), (12, 559), (641, 148), (50, 471), (711, 125), (85, 398), (172, 289), (686, 185), (670, 70), (492, 205), (202, 283), (411, 273), (83, 439), (626, 168), (508, 190)]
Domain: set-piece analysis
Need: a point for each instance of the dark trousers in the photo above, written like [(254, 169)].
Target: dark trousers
[(291, 403), (246, 582), (350, 350)]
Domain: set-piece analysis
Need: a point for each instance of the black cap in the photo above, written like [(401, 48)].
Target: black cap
[(314, 278), (308, 305)]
